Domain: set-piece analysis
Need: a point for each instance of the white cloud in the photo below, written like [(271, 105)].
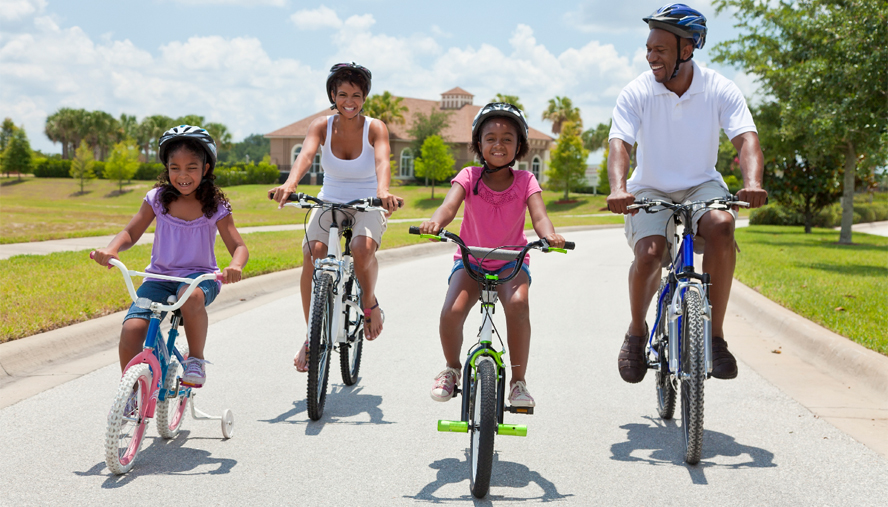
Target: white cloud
[(315, 19), (13, 10), (242, 3)]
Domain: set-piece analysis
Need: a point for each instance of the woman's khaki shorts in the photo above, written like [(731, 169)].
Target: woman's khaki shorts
[(643, 224), (364, 223)]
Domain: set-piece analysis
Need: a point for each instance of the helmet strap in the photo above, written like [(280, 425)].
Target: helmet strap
[(487, 169), (679, 61)]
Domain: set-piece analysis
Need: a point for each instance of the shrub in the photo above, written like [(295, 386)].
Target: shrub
[(52, 168), (99, 169), (775, 214), (148, 171)]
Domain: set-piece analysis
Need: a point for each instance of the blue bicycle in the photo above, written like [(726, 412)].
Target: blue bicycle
[(679, 348)]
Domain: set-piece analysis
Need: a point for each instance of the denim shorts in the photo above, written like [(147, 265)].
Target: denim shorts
[(159, 291), (507, 268)]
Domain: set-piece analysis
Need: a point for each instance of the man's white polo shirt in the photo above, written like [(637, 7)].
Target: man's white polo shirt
[(678, 136)]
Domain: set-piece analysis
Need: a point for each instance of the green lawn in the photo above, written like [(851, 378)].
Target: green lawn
[(39, 209), (841, 287)]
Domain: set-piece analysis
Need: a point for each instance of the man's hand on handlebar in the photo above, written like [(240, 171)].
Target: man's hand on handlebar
[(618, 200), (756, 197)]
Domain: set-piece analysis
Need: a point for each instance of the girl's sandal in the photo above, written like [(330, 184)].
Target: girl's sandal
[(305, 369), (367, 312)]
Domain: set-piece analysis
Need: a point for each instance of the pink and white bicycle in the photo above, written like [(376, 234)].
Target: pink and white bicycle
[(151, 381)]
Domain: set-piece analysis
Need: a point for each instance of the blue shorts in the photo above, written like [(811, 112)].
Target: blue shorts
[(507, 268), (159, 291)]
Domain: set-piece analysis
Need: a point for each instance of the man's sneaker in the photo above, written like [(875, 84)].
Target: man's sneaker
[(194, 372), (631, 361), (445, 384), (520, 397), (724, 366)]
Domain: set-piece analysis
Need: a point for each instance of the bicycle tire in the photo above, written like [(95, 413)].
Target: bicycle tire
[(665, 388), (350, 351), (171, 411), (125, 431), (319, 345), (694, 369), (482, 427)]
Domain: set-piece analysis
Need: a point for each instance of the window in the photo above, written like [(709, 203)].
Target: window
[(295, 153), (316, 165), (535, 166), (405, 168)]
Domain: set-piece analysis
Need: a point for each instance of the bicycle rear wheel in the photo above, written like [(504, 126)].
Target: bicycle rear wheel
[(665, 388), (482, 426), (694, 369), (126, 420), (171, 411), (350, 351), (319, 345)]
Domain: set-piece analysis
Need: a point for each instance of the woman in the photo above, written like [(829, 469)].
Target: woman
[(355, 156)]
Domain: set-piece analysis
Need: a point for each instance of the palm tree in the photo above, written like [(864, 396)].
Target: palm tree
[(386, 108), (129, 127), (220, 134), (100, 130), (150, 130), (595, 139), (190, 119), (509, 99), (561, 110)]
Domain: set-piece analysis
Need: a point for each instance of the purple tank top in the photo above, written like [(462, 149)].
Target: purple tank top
[(182, 247)]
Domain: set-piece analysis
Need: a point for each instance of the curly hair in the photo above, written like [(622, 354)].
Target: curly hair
[(209, 195), (353, 77), (523, 147)]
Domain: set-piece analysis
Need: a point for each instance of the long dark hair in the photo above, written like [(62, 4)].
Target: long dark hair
[(209, 195)]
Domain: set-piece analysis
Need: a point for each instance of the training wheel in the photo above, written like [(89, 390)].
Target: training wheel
[(227, 423)]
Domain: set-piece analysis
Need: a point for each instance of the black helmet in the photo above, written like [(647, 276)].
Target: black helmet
[(187, 132), (340, 67), (503, 109), (681, 20)]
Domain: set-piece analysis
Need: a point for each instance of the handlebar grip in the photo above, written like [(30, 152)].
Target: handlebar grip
[(569, 245), (376, 201), (414, 230), (92, 255), (219, 277)]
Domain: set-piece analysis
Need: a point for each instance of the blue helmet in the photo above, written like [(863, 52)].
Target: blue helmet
[(681, 20)]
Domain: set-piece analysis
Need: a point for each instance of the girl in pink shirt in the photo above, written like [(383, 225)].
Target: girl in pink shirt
[(496, 198)]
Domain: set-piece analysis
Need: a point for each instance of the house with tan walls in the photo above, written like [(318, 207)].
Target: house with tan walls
[(286, 142)]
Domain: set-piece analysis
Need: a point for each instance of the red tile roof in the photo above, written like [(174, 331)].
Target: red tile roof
[(459, 131)]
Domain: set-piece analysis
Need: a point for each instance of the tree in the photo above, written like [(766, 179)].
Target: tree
[(436, 162), (122, 163), (825, 62), (561, 110), (6, 132), (253, 147), (426, 126), (386, 108), (190, 119), (150, 130), (82, 165), (595, 139), (509, 99), (101, 131), (220, 134), (129, 127), (567, 168), (17, 155)]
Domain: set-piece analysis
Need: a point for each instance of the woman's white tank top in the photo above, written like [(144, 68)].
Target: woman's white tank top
[(347, 180)]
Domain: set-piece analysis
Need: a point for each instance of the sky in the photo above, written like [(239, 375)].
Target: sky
[(259, 65)]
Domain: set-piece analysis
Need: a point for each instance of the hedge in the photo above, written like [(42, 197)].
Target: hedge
[(831, 216)]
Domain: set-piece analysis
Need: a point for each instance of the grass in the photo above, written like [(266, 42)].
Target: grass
[(841, 287), (39, 209)]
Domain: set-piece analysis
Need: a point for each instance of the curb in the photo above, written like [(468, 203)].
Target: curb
[(829, 352)]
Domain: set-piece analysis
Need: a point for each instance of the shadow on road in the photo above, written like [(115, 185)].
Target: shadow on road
[(506, 474), (164, 457), (343, 402), (665, 442)]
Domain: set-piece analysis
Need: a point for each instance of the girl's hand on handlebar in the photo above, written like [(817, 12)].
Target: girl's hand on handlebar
[(231, 275), (281, 193), (618, 200), (103, 256), (430, 227), (555, 240)]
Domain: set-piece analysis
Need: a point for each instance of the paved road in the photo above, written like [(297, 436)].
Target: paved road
[(594, 439)]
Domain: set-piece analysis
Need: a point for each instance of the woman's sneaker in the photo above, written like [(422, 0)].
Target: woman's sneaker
[(194, 372), (520, 397), (445, 384)]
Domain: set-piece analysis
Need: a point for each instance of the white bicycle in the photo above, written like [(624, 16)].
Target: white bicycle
[(336, 317)]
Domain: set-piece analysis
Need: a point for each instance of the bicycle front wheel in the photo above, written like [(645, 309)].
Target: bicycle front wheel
[(171, 411), (482, 426), (694, 370), (665, 388), (350, 351), (319, 344), (126, 420)]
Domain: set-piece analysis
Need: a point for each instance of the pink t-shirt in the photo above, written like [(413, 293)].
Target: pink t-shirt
[(492, 219)]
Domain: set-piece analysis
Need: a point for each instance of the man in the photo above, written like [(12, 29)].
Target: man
[(674, 113)]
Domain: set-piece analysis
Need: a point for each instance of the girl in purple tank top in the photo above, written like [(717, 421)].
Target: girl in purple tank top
[(189, 209)]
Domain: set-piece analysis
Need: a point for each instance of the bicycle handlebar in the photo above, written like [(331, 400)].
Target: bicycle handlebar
[(192, 283), (482, 253), (716, 203), (358, 204)]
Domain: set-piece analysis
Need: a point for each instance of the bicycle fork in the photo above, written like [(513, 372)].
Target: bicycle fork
[(673, 321)]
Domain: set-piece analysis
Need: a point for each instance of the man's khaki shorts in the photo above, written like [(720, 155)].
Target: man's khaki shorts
[(643, 224), (364, 223)]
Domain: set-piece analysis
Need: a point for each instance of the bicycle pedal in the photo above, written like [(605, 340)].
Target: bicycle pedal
[(521, 410)]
